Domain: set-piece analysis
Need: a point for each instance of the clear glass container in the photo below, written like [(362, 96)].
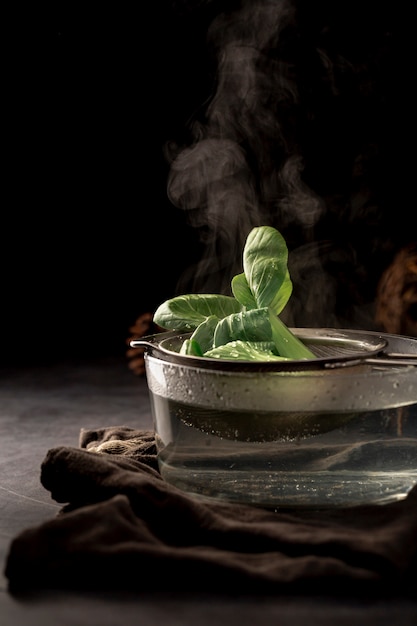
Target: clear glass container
[(326, 438)]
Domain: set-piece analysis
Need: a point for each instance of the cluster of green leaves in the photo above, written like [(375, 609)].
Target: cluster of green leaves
[(245, 326)]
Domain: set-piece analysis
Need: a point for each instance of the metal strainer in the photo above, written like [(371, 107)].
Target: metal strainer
[(334, 348)]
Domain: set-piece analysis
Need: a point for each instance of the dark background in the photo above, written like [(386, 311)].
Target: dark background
[(89, 239)]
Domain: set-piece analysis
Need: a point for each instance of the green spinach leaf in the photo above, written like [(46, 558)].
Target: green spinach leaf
[(185, 313), (245, 326), (245, 351)]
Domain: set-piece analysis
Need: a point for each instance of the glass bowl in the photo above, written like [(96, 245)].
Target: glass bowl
[(323, 437)]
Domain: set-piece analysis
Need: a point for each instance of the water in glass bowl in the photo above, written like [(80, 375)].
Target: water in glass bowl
[(286, 460)]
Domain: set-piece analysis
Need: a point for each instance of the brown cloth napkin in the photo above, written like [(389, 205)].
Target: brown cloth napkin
[(123, 527)]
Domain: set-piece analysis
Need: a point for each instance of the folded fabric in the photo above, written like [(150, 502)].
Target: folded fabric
[(123, 527)]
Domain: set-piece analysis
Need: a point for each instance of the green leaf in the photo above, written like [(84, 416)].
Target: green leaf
[(253, 325), (265, 258), (283, 295), (247, 319), (185, 313), (242, 292), (245, 351), (204, 333), (191, 347), (286, 343)]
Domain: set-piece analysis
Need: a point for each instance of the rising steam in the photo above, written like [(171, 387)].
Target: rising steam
[(246, 162)]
